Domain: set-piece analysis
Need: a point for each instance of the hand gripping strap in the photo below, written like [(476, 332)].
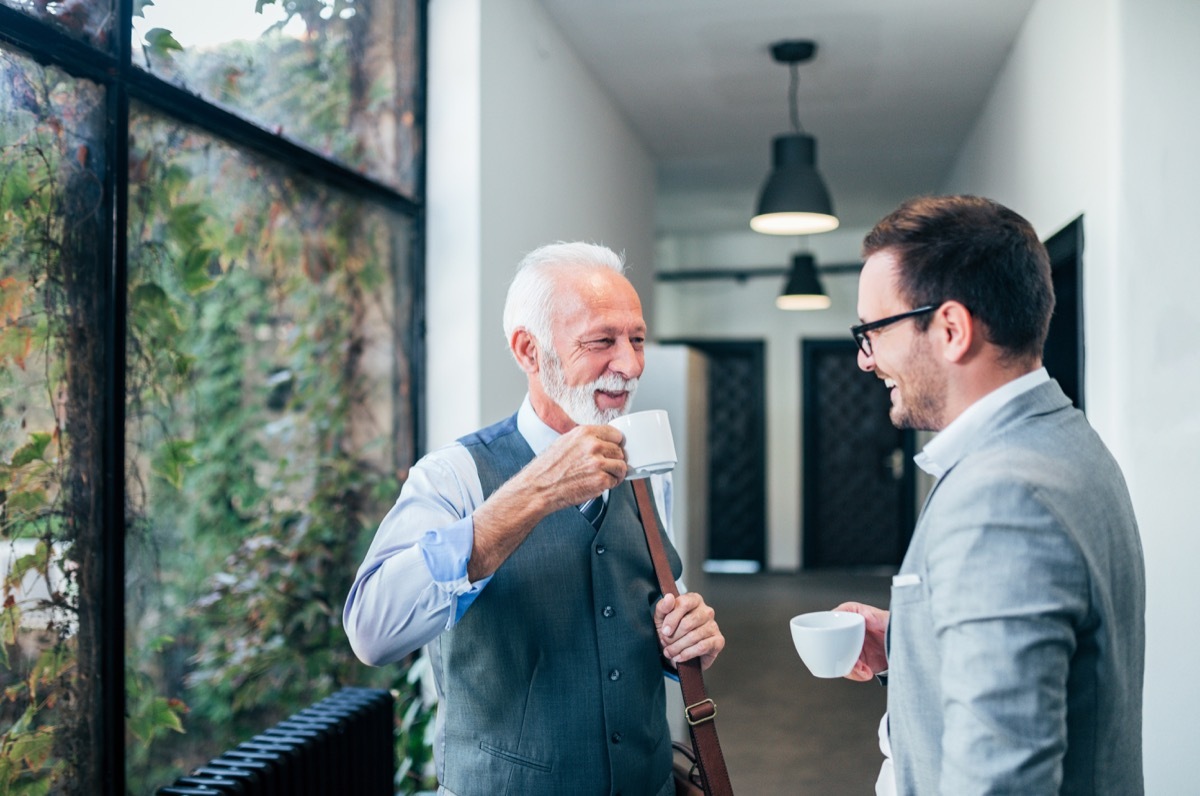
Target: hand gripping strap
[(701, 711)]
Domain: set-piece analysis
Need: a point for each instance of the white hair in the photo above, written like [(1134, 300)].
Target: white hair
[(530, 300)]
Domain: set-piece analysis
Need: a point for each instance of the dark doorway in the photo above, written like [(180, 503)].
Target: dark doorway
[(858, 484), (1063, 354), (737, 475)]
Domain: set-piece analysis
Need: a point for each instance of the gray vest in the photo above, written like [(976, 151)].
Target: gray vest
[(552, 680)]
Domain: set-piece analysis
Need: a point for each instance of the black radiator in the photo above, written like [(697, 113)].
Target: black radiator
[(340, 745)]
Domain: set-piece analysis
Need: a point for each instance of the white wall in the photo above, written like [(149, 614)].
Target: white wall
[(524, 149), (1157, 347), (1046, 145), (1096, 113), (453, 290)]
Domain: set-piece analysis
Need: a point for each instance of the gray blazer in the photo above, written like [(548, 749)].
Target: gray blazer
[(1017, 629)]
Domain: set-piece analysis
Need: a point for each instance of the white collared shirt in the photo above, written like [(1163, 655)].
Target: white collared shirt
[(940, 453)]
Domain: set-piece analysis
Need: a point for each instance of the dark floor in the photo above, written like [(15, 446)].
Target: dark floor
[(782, 730)]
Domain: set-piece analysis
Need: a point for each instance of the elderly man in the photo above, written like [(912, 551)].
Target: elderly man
[(1014, 645), (518, 556)]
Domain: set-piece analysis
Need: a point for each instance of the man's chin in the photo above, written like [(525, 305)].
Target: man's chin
[(605, 416), (593, 415)]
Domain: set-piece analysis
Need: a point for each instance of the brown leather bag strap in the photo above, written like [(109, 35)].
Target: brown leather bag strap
[(699, 710)]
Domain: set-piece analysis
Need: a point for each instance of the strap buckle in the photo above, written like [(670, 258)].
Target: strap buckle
[(707, 715)]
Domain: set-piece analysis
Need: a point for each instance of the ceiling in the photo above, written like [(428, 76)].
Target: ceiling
[(891, 94)]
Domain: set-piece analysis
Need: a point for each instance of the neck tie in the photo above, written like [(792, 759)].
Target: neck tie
[(594, 510)]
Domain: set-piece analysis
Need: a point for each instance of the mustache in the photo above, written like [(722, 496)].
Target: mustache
[(611, 382)]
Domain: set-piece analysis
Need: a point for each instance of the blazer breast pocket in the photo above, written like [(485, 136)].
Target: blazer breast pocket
[(907, 588)]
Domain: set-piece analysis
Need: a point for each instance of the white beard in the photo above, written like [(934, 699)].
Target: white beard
[(580, 402)]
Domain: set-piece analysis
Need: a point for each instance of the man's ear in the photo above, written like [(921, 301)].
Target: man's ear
[(525, 349), (955, 330)]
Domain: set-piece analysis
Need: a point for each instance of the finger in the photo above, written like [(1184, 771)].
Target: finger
[(861, 672), (691, 616), (673, 647), (616, 469), (604, 433), (680, 619), (688, 649), (661, 609)]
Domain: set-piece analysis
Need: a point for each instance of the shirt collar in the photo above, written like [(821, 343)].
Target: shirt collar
[(539, 435), (943, 451)]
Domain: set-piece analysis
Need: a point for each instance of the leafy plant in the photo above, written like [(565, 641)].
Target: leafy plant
[(262, 443)]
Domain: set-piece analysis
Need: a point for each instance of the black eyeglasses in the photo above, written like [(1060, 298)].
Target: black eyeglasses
[(860, 331)]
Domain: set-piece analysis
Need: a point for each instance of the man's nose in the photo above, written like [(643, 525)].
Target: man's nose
[(627, 361), (866, 361)]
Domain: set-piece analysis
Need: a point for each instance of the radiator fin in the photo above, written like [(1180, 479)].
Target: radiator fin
[(342, 744)]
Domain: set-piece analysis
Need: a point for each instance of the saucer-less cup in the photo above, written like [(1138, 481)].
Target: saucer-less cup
[(649, 446), (829, 642)]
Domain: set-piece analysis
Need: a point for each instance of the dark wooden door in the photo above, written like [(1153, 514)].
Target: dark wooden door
[(1063, 354), (858, 471)]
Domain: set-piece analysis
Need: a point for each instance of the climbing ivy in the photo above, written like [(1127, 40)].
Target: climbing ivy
[(267, 431)]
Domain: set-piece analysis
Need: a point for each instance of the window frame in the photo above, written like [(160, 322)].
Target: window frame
[(123, 82)]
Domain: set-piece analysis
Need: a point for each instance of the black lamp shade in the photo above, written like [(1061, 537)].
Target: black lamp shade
[(803, 290), (794, 200)]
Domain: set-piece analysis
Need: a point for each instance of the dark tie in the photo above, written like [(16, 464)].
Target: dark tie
[(594, 510)]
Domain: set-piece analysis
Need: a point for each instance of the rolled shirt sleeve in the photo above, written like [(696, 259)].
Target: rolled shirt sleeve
[(413, 584)]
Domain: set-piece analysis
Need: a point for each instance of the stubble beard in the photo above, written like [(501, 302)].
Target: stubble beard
[(923, 401)]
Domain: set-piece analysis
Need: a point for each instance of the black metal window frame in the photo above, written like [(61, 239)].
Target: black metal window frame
[(124, 82)]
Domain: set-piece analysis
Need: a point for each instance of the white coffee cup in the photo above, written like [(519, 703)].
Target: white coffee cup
[(649, 446), (829, 642)]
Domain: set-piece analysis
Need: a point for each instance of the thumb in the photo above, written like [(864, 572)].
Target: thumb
[(662, 608)]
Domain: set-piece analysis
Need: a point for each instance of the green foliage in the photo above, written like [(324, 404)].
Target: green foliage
[(38, 157), (298, 85), (160, 41), (24, 753), (260, 501), (257, 464)]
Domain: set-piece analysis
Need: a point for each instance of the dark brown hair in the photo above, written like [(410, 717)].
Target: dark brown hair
[(979, 253)]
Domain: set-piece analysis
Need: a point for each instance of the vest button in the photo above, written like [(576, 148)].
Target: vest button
[(600, 549), (615, 674), (608, 611), (616, 737)]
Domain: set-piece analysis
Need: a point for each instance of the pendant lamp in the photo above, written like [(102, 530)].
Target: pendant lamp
[(794, 199), (803, 290)]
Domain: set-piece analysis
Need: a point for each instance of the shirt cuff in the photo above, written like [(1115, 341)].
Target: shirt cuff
[(446, 552)]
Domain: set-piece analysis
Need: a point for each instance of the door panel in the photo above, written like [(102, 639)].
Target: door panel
[(858, 472), (1063, 354)]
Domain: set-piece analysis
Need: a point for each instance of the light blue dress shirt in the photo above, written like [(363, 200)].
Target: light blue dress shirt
[(413, 583)]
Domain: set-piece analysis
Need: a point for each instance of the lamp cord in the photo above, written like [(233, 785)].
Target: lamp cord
[(793, 86)]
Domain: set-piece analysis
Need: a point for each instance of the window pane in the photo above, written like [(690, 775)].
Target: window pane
[(268, 333), (51, 267), (89, 20), (337, 76)]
